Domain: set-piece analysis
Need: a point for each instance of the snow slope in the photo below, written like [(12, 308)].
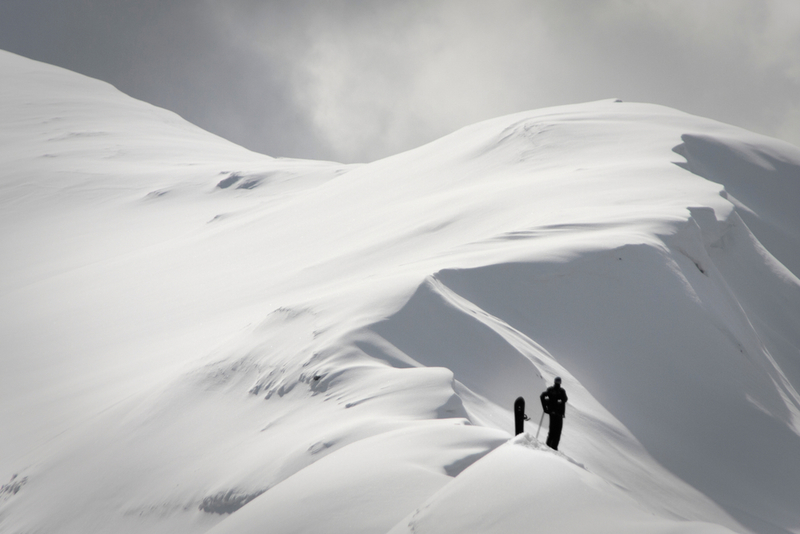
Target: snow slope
[(196, 338)]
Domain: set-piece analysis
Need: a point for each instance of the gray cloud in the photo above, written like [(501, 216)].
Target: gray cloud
[(357, 80), (174, 54)]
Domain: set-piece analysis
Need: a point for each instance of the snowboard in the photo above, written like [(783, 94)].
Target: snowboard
[(519, 416)]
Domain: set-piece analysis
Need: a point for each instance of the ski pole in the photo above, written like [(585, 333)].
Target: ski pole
[(540, 425)]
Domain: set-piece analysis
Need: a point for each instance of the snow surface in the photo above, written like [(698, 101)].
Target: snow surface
[(197, 338)]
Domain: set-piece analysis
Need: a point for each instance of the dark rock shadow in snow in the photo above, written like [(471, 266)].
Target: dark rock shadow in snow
[(227, 502)]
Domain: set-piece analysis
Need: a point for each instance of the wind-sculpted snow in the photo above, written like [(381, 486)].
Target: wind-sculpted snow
[(561, 496), (196, 338), (761, 179), (436, 329)]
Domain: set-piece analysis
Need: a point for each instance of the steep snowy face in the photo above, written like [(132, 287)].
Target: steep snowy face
[(85, 175), (198, 338)]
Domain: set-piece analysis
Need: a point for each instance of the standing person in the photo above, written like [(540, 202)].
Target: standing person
[(554, 403)]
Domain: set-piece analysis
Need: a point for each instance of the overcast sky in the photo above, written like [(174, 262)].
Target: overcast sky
[(358, 80)]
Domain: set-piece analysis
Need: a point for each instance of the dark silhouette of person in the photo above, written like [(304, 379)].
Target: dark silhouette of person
[(554, 403)]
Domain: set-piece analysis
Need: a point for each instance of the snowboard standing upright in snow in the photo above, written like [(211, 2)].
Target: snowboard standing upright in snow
[(554, 403), (519, 416)]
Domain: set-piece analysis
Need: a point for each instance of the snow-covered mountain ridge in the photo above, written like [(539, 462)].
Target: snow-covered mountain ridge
[(197, 338)]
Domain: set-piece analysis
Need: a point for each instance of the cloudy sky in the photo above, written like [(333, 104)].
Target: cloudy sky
[(358, 80)]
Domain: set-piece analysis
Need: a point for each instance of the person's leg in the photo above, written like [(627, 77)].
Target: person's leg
[(554, 435)]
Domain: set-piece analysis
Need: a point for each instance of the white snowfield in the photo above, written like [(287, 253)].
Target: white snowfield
[(196, 338)]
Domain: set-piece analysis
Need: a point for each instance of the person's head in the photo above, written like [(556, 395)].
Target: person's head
[(557, 381)]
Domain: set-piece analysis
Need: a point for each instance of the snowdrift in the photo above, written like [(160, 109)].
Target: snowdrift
[(196, 338)]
